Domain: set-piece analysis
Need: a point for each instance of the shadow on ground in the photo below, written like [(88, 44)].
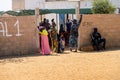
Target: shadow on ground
[(18, 58), (107, 50)]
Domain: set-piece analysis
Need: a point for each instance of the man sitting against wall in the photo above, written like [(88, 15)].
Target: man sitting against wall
[(97, 40)]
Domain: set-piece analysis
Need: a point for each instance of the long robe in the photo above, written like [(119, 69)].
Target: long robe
[(44, 42)]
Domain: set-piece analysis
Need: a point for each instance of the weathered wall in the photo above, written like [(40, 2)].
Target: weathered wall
[(108, 26), (18, 4), (18, 35)]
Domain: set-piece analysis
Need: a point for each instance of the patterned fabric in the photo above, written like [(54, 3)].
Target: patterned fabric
[(54, 40), (62, 44), (74, 30), (73, 35), (73, 41)]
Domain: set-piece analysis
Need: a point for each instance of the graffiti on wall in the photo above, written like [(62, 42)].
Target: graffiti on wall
[(87, 24), (4, 29), (18, 28)]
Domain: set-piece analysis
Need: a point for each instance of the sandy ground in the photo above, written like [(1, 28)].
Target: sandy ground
[(68, 66)]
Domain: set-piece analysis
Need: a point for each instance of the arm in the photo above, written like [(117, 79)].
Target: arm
[(99, 35), (80, 19), (92, 36)]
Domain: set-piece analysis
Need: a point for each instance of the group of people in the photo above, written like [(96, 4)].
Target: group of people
[(52, 41), (49, 37)]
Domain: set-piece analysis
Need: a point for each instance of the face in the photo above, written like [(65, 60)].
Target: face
[(68, 20), (61, 35), (47, 20), (44, 19), (74, 21), (95, 30)]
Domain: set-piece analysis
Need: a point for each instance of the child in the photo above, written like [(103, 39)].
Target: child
[(62, 43)]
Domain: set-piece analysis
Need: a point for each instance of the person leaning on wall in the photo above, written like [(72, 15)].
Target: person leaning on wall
[(97, 40)]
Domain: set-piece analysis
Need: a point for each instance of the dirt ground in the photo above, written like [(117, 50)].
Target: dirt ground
[(103, 65)]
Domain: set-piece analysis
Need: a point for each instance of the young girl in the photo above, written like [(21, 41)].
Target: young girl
[(62, 43)]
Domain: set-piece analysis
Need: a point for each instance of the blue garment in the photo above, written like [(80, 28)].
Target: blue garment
[(74, 36), (73, 41), (62, 44)]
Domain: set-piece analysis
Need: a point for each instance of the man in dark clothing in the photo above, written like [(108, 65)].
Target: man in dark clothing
[(97, 40), (61, 29), (68, 24)]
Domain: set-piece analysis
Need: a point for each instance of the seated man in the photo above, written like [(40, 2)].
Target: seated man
[(97, 40)]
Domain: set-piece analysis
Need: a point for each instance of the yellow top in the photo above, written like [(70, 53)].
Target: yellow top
[(44, 32)]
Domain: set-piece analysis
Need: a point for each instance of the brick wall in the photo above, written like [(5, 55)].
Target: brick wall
[(18, 35), (108, 26)]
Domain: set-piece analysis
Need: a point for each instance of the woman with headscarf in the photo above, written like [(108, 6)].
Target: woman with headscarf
[(44, 40), (54, 38)]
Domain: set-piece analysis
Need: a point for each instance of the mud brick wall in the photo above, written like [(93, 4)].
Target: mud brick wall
[(108, 26), (18, 35)]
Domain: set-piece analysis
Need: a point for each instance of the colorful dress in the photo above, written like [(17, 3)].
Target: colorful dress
[(44, 42), (54, 40), (74, 36), (62, 44)]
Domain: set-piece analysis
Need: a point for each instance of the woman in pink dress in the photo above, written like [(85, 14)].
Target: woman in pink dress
[(44, 41)]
